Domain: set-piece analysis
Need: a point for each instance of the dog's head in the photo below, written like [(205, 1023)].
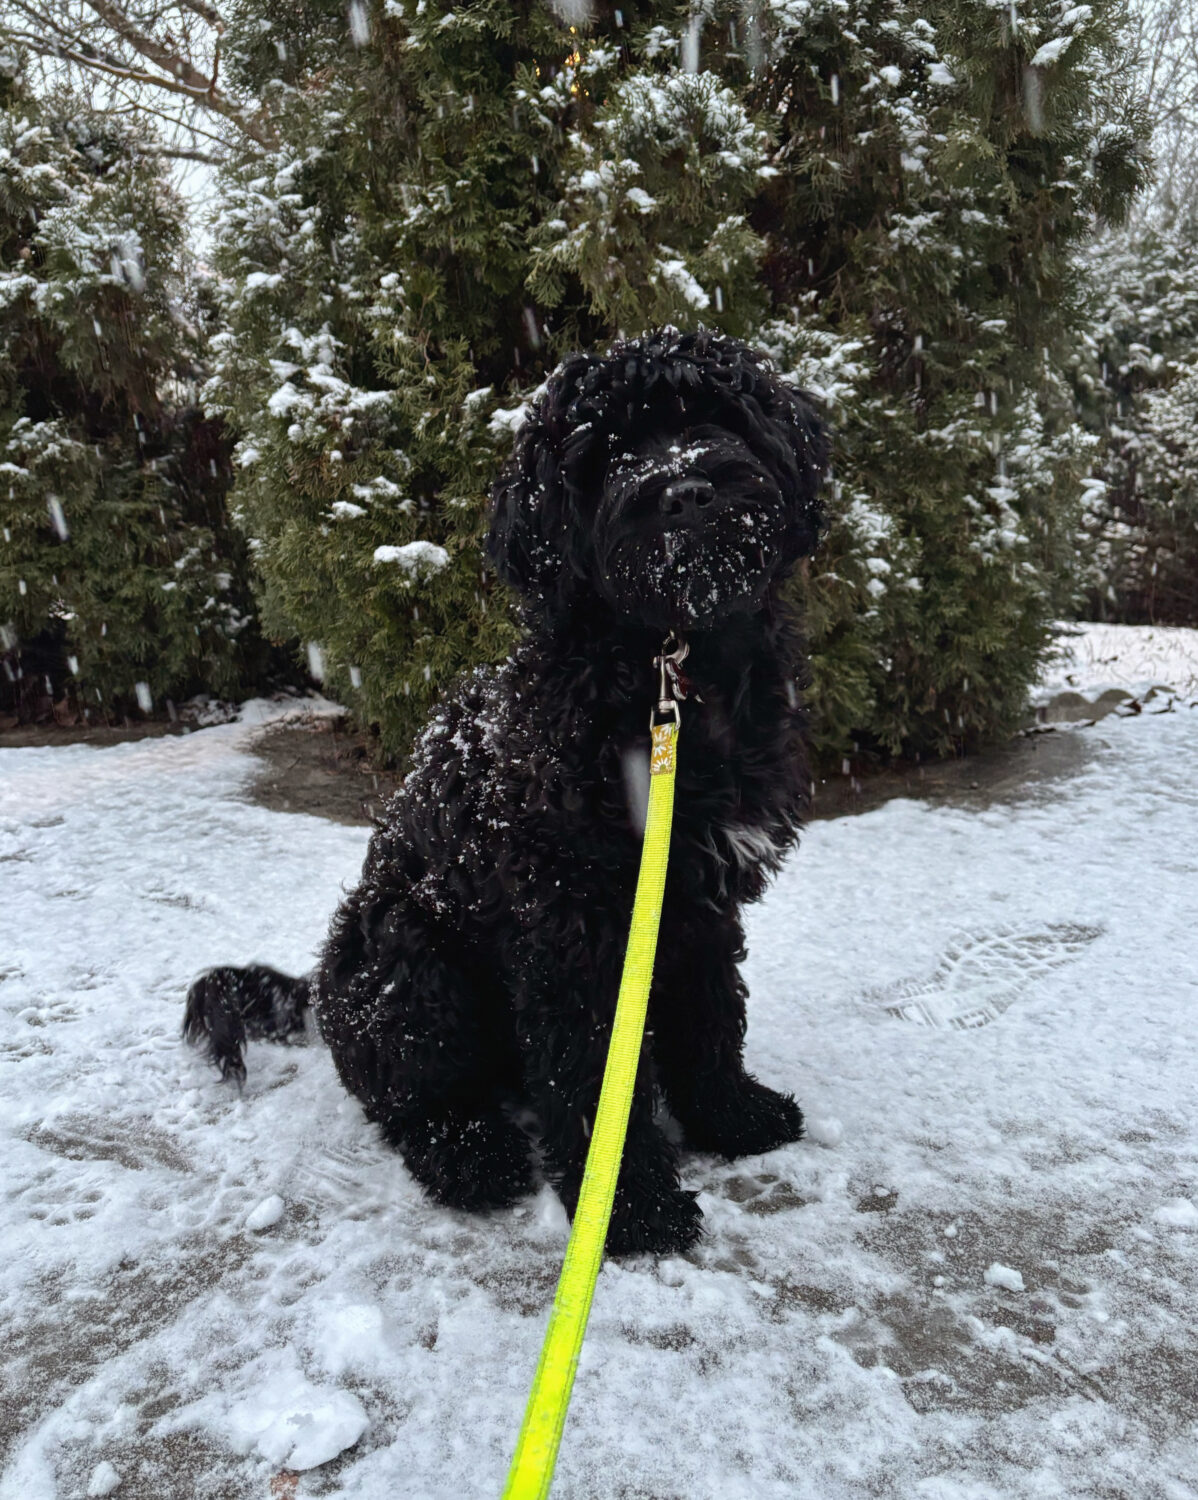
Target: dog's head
[(676, 478)]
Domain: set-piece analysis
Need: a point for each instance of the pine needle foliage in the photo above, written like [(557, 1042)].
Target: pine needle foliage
[(122, 581), (889, 198), (1137, 381)]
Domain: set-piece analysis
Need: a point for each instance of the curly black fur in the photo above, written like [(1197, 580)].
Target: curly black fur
[(670, 484), (225, 1006)]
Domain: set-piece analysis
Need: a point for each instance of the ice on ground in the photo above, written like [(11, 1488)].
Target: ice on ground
[(988, 1017), (1179, 1213), (825, 1130), (289, 1421)]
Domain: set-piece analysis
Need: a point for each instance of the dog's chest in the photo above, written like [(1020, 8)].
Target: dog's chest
[(728, 824)]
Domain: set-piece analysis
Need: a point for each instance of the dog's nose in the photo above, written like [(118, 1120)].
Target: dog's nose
[(684, 499)]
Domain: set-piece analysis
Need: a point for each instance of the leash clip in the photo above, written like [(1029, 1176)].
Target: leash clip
[(673, 686)]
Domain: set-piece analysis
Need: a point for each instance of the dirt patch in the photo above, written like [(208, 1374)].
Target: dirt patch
[(25, 736), (318, 766), (95, 727), (1023, 768)]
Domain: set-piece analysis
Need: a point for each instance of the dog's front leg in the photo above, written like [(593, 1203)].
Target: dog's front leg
[(697, 1013), (565, 1021)]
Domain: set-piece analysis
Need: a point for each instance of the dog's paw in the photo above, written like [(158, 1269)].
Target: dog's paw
[(745, 1119), (466, 1161), (644, 1224)]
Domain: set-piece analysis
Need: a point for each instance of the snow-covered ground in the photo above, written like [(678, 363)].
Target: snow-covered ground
[(976, 1279), (1094, 659)]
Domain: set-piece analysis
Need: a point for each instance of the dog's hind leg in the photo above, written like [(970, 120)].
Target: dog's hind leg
[(419, 1035)]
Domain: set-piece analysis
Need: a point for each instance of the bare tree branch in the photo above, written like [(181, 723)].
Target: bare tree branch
[(1165, 34), (170, 61), (137, 104), (254, 125), (183, 153), (205, 13), (169, 47)]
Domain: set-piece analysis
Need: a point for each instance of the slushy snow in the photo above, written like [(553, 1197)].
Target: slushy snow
[(987, 1014)]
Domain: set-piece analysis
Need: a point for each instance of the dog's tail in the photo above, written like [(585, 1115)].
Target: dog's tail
[(225, 1006)]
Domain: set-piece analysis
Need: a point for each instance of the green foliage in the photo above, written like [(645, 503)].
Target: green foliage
[(936, 170), (654, 204), (888, 198), (1137, 380), (121, 579)]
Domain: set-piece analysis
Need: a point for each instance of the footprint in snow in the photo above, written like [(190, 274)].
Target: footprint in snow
[(980, 977)]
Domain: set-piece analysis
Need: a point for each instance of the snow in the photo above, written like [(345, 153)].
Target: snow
[(266, 1215), (508, 421), (1180, 1213), (1051, 52), (987, 1014), (1005, 1277), (288, 1420), (104, 1480), (676, 274), (1094, 659), (414, 556)]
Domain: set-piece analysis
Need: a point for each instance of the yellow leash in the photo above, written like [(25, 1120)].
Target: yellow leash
[(531, 1473)]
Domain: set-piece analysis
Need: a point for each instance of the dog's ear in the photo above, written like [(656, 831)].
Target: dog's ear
[(529, 533), (777, 420), (515, 544)]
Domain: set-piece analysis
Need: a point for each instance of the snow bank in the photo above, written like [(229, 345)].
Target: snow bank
[(1095, 658)]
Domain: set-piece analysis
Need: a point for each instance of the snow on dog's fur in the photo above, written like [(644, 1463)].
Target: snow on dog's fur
[(669, 485)]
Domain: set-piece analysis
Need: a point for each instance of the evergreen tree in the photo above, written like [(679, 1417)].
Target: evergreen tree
[(937, 168), (121, 579), (1137, 378), (888, 198)]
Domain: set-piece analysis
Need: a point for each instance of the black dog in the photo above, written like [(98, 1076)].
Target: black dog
[(667, 487)]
